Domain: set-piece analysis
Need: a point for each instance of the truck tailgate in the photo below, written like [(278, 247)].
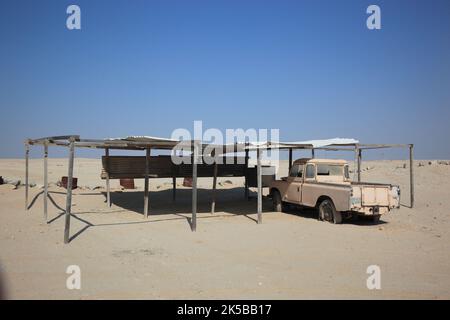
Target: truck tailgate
[(375, 195)]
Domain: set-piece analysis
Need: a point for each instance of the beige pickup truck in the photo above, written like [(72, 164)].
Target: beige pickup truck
[(326, 185)]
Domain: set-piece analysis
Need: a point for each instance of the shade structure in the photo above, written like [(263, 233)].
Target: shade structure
[(197, 149)]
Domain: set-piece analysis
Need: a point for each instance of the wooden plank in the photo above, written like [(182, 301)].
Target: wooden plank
[(27, 156), (335, 149), (381, 146), (259, 174), (46, 182), (131, 176), (411, 175), (108, 187), (69, 192), (147, 167), (162, 167), (51, 143), (138, 145), (52, 138), (363, 147), (194, 188)]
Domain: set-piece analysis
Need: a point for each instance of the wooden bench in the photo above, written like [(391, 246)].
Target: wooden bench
[(132, 167)]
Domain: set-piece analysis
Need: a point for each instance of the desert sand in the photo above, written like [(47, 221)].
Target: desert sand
[(290, 256)]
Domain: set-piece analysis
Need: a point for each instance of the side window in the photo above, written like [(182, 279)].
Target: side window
[(300, 171), (346, 172), (310, 171), (294, 170)]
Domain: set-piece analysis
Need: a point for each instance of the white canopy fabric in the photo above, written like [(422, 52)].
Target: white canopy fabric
[(325, 142), (253, 145), (143, 139)]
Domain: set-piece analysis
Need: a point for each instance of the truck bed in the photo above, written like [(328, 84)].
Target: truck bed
[(376, 194)]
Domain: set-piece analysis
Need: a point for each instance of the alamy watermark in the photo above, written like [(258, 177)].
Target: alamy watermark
[(73, 21), (212, 145), (73, 281), (373, 22), (373, 282)]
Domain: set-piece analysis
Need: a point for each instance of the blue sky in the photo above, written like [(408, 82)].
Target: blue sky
[(310, 68)]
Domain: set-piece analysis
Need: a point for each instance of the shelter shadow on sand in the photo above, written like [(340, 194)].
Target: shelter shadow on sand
[(229, 202), (311, 213)]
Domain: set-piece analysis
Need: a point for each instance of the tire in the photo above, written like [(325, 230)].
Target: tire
[(376, 218), (328, 212), (276, 200)]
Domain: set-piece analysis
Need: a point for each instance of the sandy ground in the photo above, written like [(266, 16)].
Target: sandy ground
[(291, 255)]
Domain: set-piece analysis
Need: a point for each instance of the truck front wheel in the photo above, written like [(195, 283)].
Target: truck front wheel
[(328, 212)]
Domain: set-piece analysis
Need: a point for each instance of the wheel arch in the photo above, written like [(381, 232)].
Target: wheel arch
[(322, 198)]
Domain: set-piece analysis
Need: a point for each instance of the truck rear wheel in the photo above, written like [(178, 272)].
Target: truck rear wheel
[(277, 203), (328, 212)]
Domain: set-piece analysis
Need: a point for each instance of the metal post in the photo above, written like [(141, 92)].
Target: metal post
[(194, 187), (290, 159), (258, 170), (359, 164), (411, 174), (213, 202), (108, 188), (45, 180), (246, 192), (174, 188), (69, 190), (27, 156), (174, 180), (147, 169), (313, 153)]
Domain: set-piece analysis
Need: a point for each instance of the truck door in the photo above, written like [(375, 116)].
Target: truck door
[(295, 179), (309, 190)]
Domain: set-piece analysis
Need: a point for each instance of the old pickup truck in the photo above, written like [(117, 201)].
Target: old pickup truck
[(325, 184)]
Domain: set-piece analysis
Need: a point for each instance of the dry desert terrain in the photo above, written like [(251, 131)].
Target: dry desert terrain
[(290, 256)]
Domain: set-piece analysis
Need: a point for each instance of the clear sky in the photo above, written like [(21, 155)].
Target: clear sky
[(310, 68)]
